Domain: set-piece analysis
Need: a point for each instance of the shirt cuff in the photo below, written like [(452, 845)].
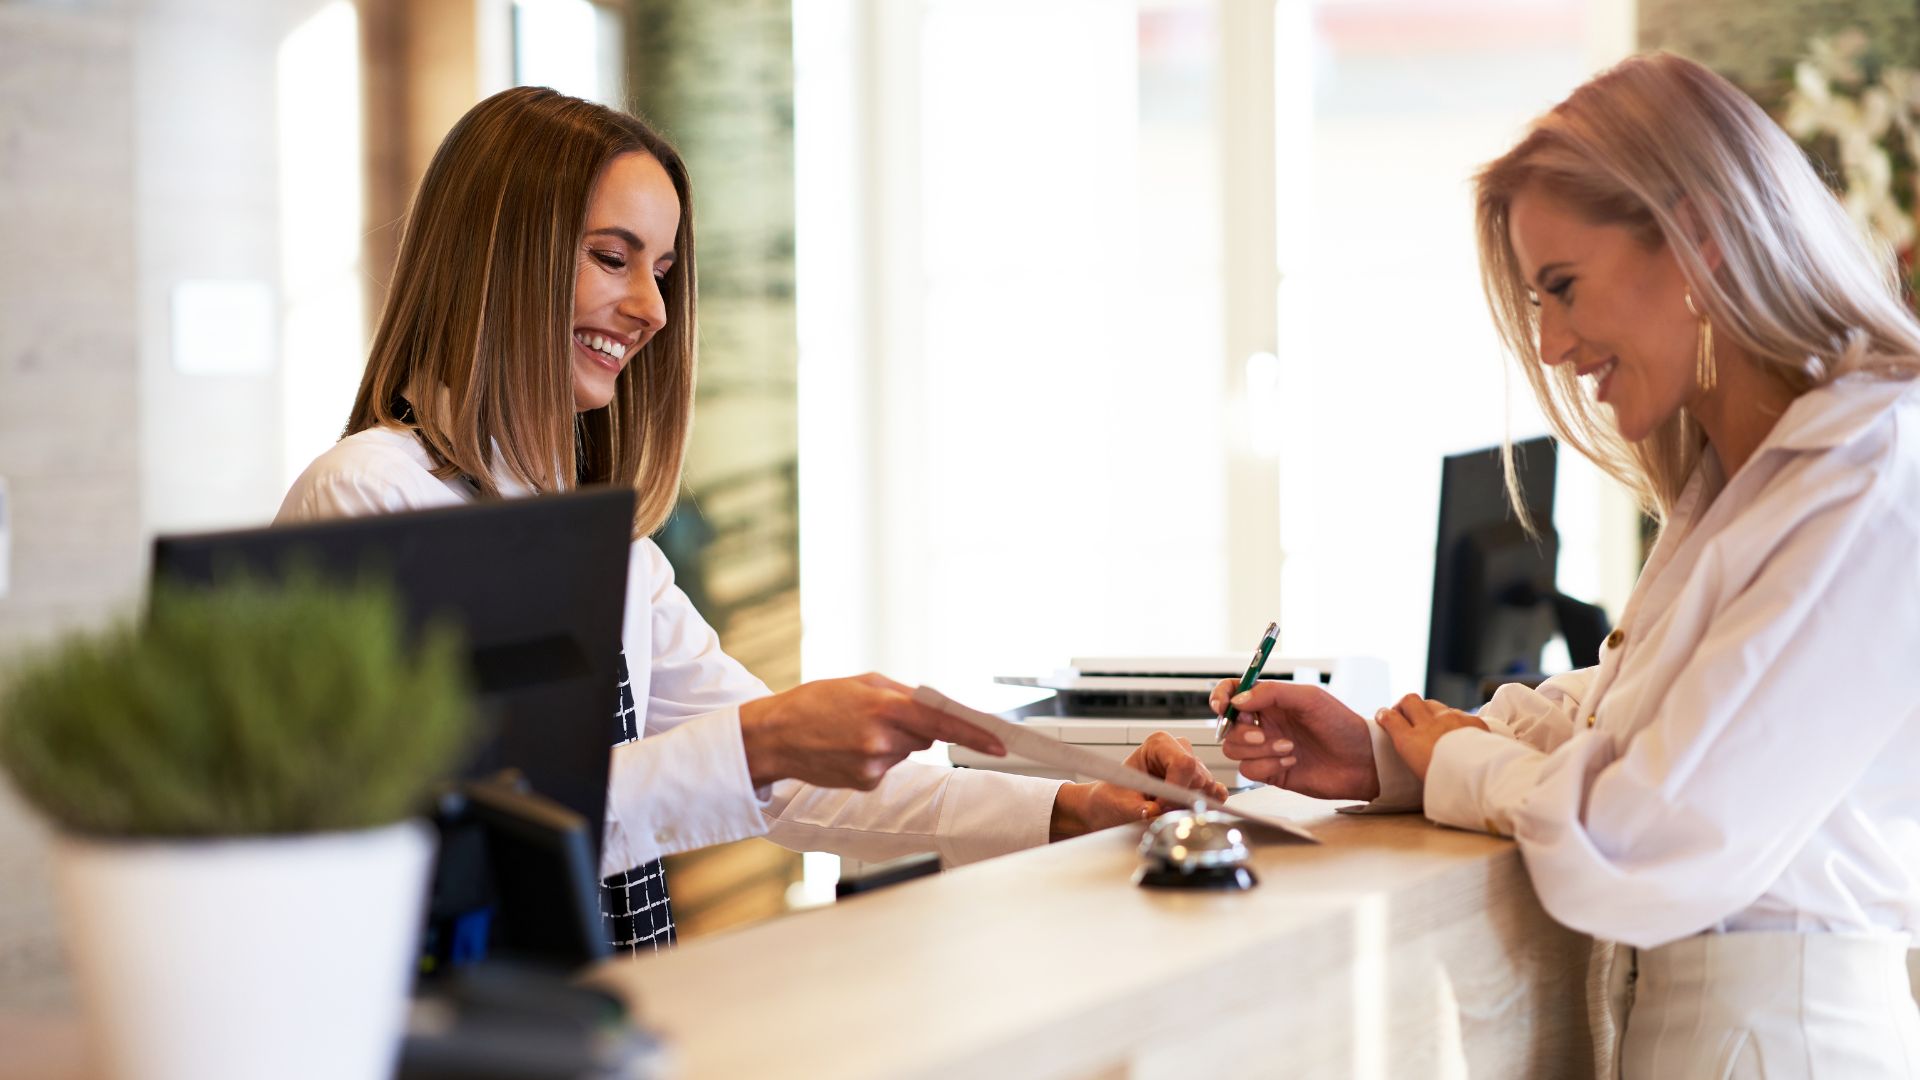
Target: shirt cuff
[(985, 813), (1478, 779), (682, 789), (1400, 791)]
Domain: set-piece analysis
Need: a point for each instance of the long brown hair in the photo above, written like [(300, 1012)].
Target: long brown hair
[(481, 304), (1675, 153)]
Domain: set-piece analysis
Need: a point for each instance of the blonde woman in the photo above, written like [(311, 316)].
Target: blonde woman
[(1732, 791), (539, 334)]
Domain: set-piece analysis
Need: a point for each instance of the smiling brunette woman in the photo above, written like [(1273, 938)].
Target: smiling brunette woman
[(1731, 791), (539, 335)]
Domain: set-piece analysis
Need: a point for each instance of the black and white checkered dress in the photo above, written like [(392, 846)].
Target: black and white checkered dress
[(634, 902)]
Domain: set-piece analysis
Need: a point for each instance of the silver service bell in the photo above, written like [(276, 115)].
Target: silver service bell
[(1194, 849)]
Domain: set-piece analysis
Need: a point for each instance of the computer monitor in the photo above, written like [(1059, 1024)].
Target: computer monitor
[(1495, 601), (537, 587)]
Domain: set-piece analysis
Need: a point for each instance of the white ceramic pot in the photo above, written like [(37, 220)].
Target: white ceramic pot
[(280, 957)]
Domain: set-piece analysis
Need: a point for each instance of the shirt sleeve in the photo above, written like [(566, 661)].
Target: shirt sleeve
[(341, 496), (692, 676), (1400, 790), (685, 783), (1779, 709), (1541, 717), (679, 790), (964, 815), (359, 480)]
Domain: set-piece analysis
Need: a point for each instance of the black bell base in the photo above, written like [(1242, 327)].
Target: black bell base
[(1230, 878)]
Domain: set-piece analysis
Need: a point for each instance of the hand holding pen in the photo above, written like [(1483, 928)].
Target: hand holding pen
[(1298, 736)]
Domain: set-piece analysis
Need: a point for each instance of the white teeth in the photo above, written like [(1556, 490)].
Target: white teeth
[(602, 344)]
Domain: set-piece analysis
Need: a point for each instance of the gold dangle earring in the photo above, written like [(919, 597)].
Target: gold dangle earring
[(1704, 371)]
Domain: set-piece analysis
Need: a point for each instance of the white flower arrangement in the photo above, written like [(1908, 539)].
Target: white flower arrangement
[(1863, 118)]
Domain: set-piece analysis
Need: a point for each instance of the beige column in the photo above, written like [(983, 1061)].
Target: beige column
[(424, 63)]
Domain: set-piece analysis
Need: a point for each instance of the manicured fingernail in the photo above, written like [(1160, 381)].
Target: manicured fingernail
[(1241, 700), (1288, 763), (1283, 746), (1255, 736), (1380, 715)]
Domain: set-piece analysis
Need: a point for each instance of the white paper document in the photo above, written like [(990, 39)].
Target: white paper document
[(1081, 761)]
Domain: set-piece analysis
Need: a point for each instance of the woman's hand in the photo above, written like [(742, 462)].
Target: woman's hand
[(1084, 808), (1299, 737), (1416, 724), (845, 733)]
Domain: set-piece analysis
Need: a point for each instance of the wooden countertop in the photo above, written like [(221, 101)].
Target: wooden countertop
[(1396, 948)]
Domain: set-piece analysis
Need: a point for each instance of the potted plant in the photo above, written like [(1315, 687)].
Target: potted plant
[(233, 783)]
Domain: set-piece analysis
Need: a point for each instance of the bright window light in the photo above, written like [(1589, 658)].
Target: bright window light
[(1074, 375), (556, 44), (1018, 409), (1389, 357), (322, 221)]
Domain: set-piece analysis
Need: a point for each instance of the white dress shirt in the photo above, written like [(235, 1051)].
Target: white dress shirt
[(1746, 756), (684, 783)]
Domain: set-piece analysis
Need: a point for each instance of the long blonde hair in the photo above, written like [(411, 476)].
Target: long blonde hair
[(481, 304), (1668, 149)]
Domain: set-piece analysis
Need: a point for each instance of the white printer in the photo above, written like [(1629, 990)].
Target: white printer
[(1112, 704)]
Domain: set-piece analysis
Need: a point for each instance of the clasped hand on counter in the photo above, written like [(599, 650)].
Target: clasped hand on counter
[(846, 733), (1302, 738)]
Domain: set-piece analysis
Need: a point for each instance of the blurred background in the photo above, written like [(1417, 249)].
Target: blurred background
[(1031, 328)]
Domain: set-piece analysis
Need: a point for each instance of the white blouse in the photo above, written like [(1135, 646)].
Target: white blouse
[(684, 783), (1746, 756)]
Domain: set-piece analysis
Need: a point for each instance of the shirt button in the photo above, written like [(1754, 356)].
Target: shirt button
[(1614, 639), (1590, 720)]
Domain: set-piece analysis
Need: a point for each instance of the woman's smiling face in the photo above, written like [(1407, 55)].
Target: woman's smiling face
[(625, 253), (1609, 305)]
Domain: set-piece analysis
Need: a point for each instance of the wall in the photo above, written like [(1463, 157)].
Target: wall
[(206, 189), (68, 337), (138, 149), (69, 416)]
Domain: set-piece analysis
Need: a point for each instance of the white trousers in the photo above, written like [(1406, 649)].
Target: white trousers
[(1773, 1005)]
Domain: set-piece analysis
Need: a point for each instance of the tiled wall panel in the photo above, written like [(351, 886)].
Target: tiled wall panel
[(69, 385)]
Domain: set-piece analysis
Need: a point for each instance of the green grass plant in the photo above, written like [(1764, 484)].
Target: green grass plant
[(243, 710)]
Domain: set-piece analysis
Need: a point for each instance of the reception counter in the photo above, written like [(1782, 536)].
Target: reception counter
[(1396, 948)]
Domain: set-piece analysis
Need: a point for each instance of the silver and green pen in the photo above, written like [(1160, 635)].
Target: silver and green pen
[(1260, 654)]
